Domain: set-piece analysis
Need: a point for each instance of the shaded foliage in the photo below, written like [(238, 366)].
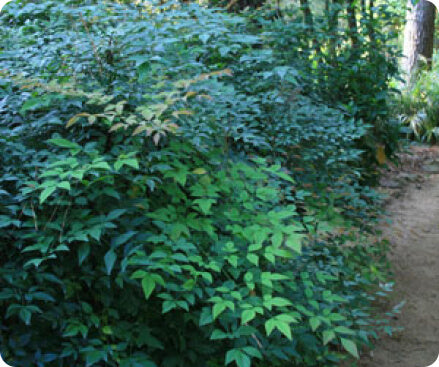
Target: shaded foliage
[(179, 186)]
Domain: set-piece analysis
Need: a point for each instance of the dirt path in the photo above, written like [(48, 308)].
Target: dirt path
[(414, 235)]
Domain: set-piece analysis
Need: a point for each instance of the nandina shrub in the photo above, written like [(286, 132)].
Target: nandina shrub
[(147, 214), (213, 264)]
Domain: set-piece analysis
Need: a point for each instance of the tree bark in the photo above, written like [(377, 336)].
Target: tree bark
[(418, 35)]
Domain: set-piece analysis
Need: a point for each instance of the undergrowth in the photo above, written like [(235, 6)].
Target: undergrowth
[(418, 106), (183, 187)]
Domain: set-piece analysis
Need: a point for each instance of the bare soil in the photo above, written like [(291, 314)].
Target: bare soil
[(414, 235)]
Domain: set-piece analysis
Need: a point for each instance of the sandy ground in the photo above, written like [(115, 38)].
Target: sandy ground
[(414, 236)]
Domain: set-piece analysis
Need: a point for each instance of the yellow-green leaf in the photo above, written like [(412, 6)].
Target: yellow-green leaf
[(350, 347)]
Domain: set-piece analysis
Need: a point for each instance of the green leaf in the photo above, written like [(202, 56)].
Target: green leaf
[(206, 316), (189, 284), (168, 306), (63, 143), (62, 248), (95, 232), (233, 260), (204, 37), (123, 238), (199, 171), (218, 309), (180, 176), (280, 302), (288, 317), (269, 326), (276, 239), (269, 256), (205, 205), (344, 330), (35, 103), (284, 176), (139, 274), (109, 259), (132, 162), (83, 252), (116, 214), (314, 323), (25, 315), (218, 334), (241, 359), (278, 276), (148, 285), (255, 247), (350, 346), (336, 317), (101, 165), (328, 335), (284, 328), (260, 235), (94, 356), (294, 242), (64, 185), (252, 351), (254, 259), (158, 279), (46, 193), (247, 316), (34, 262)]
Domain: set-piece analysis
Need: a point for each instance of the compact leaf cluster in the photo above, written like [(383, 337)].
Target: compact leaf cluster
[(174, 192)]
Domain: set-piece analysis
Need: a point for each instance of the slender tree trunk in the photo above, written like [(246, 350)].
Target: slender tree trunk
[(308, 19), (307, 14), (238, 5), (418, 35), (363, 18), (370, 21), (352, 22), (334, 10)]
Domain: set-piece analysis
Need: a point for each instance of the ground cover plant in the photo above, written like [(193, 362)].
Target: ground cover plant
[(176, 190), (418, 104)]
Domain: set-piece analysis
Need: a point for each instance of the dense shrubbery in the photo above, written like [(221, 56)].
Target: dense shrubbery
[(419, 105), (177, 191)]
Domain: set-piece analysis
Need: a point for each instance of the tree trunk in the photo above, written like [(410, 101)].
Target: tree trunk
[(307, 14), (334, 10), (238, 5), (363, 7), (418, 35), (352, 22), (370, 21)]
